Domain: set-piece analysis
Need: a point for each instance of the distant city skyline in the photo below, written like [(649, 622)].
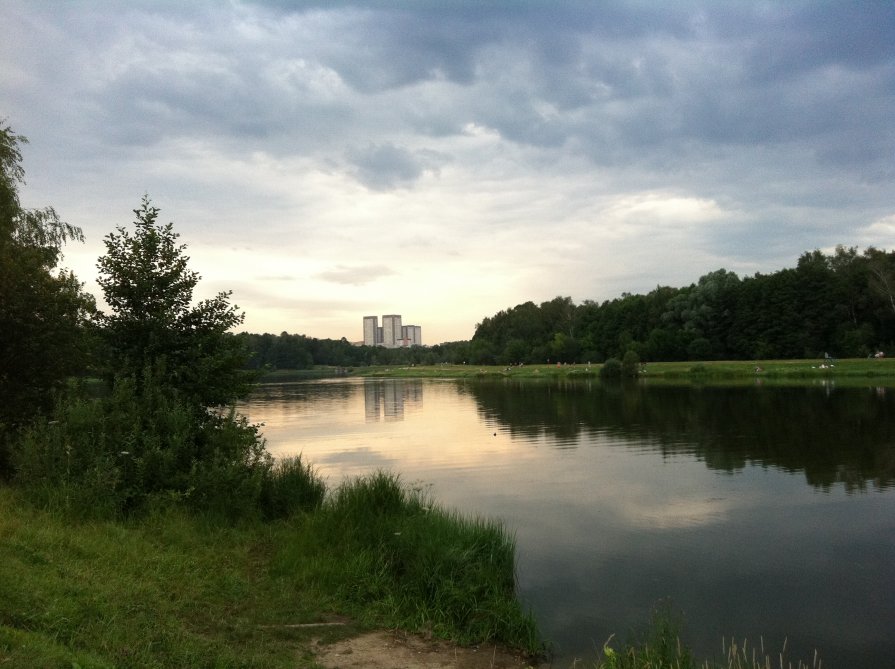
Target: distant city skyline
[(392, 333)]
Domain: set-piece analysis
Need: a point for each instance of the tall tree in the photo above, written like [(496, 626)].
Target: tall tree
[(154, 327), (42, 308), (882, 275)]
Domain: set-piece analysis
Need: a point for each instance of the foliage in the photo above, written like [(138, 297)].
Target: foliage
[(269, 352), (132, 451), (842, 303), (153, 324), (42, 308), (631, 363), (399, 560), (611, 369)]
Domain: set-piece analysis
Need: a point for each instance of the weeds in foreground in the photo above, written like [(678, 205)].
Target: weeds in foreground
[(662, 649), (401, 561), (740, 656)]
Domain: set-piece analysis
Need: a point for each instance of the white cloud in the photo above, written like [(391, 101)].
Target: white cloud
[(880, 233)]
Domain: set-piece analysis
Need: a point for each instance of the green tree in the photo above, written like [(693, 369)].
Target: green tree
[(43, 309), (154, 327), (882, 275), (631, 363)]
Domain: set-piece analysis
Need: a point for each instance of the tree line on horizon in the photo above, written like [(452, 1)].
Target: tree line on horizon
[(840, 304)]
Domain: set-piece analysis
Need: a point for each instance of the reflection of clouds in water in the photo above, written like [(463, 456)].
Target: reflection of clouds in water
[(365, 458), (626, 503), (678, 513)]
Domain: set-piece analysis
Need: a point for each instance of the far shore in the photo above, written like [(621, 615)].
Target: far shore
[(874, 371)]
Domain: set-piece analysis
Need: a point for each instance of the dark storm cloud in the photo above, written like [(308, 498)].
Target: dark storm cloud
[(606, 78)]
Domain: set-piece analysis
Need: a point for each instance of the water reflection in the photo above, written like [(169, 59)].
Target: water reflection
[(832, 435), (387, 398), (622, 496)]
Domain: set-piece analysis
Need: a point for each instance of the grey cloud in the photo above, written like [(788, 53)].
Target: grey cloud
[(386, 166), (618, 76)]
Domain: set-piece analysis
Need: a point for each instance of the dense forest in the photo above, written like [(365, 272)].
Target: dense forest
[(841, 304)]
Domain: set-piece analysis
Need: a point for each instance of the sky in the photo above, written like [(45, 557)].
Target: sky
[(330, 160)]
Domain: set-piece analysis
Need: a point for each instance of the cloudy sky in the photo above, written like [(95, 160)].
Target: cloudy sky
[(445, 160)]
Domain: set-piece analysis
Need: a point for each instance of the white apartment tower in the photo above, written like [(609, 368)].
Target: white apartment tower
[(392, 334), (372, 331), (391, 330)]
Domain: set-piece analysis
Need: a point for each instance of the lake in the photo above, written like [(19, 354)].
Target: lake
[(757, 511)]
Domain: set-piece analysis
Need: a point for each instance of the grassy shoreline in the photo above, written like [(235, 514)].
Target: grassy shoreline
[(879, 371), (173, 589), (179, 589)]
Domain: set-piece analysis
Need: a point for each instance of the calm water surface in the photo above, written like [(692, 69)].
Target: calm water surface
[(759, 512)]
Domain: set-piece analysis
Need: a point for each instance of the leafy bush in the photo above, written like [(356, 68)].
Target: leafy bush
[(611, 369), (127, 452), (631, 363)]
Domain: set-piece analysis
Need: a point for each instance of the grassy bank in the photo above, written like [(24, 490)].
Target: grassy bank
[(173, 589), (880, 371)]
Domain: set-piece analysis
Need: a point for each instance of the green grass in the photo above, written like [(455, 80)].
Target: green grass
[(175, 589), (395, 558), (881, 372), (168, 590)]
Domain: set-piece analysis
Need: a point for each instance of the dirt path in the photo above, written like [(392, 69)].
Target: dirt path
[(398, 650)]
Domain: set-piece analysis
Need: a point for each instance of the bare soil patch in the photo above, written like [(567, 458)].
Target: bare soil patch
[(399, 650)]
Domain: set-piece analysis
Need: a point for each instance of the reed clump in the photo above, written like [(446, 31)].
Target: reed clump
[(397, 559), (662, 648)]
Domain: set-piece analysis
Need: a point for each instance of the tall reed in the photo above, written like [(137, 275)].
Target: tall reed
[(662, 649), (400, 560)]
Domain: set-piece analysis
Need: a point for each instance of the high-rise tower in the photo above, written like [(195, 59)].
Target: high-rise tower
[(371, 327)]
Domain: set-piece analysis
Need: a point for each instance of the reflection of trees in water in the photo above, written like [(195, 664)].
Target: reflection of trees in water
[(832, 435), (303, 391)]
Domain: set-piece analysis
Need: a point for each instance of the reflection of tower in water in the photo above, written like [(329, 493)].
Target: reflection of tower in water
[(388, 398)]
